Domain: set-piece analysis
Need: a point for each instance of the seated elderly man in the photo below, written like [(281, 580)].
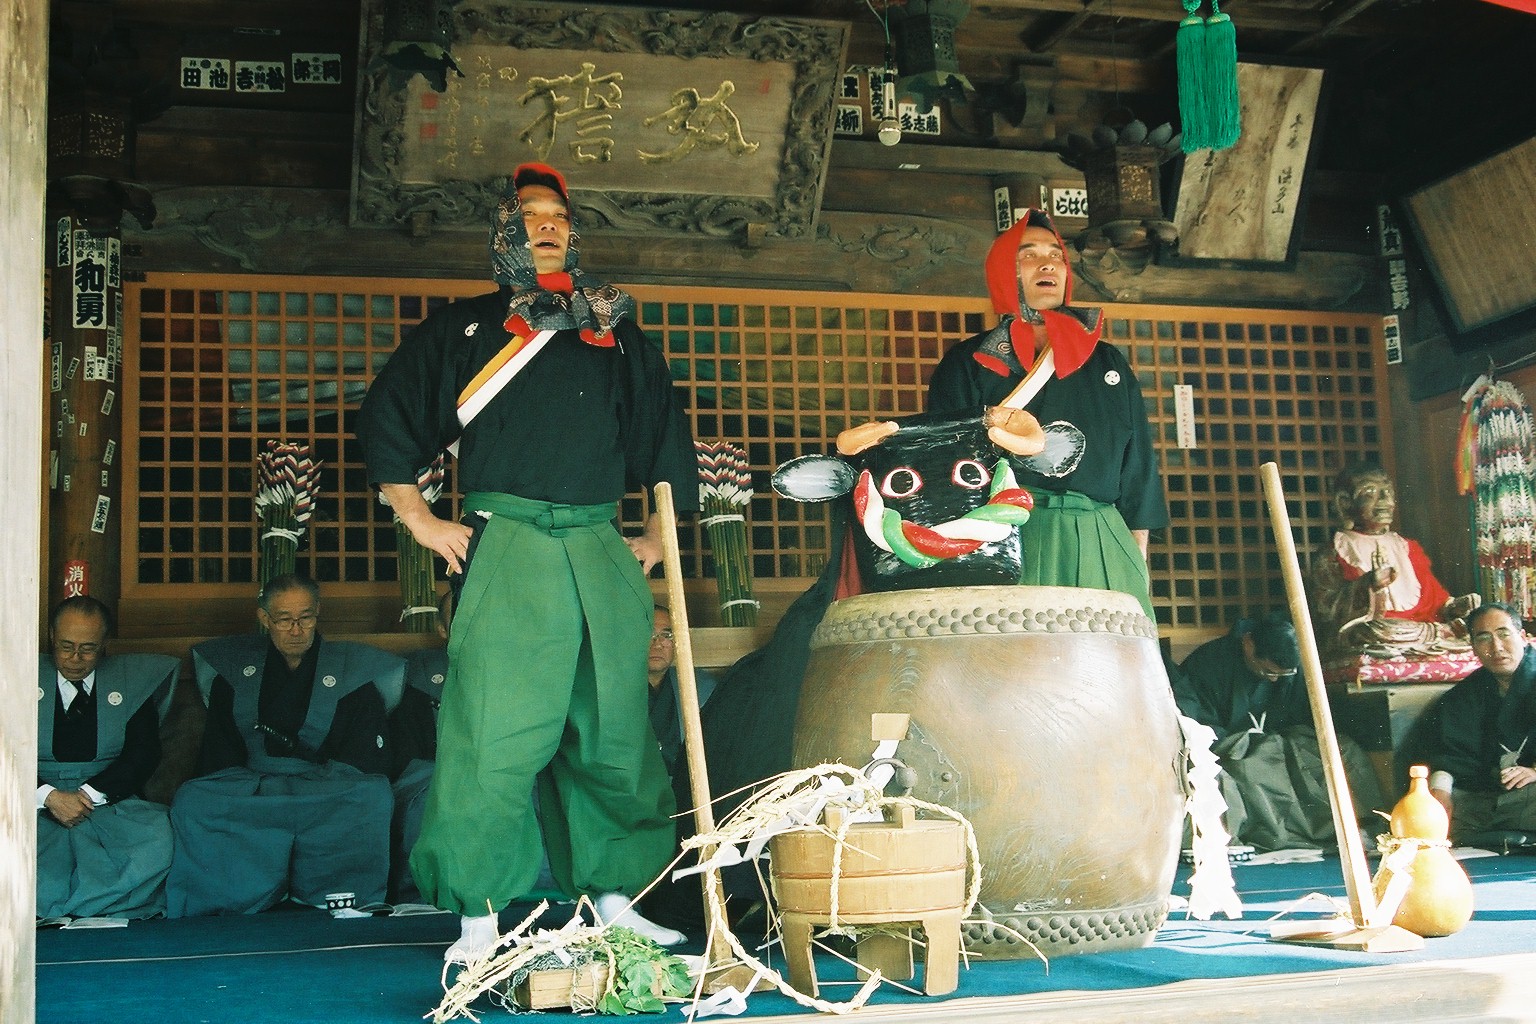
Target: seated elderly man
[(1245, 687), (101, 851), (291, 799), (1479, 739), (1374, 590), (665, 710)]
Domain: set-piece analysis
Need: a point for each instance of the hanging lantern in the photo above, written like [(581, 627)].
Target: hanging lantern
[(1120, 162), (90, 158), (925, 31)]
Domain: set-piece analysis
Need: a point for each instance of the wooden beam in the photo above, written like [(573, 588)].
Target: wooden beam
[(1335, 24), (1046, 40), (1276, 17), (200, 15), (859, 154)]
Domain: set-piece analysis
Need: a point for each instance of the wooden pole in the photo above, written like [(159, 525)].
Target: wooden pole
[(723, 970), (1357, 876), (23, 134)]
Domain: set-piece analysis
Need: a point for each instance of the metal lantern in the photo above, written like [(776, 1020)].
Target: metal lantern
[(925, 32), (1125, 201)]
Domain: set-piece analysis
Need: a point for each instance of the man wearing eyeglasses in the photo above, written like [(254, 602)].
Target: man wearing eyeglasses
[(1246, 688), (1482, 733), (101, 851), (665, 708), (291, 799)]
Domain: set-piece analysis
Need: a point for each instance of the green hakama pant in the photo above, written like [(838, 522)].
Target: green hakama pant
[(546, 680), (1071, 540)]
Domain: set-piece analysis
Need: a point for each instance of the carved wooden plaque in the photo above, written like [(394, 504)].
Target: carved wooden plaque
[(678, 122), (1240, 203)]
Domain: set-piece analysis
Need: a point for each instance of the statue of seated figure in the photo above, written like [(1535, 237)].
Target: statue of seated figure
[(1373, 591)]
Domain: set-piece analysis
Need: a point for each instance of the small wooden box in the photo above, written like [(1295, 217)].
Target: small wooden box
[(579, 987), (568, 986)]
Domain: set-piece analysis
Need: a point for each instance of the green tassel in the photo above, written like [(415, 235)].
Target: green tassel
[(1223, 106), (1194, 114)]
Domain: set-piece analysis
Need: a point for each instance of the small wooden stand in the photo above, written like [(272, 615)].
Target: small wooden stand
[(901, 871)]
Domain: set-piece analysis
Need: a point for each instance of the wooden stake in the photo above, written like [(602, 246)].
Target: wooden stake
[(1357, 876), (723, 969)]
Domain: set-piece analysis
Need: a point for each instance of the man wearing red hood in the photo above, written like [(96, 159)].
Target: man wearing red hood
[(1090, 526)]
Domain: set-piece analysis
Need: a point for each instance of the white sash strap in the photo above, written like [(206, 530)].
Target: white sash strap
[(475, 403), (1033, 381)]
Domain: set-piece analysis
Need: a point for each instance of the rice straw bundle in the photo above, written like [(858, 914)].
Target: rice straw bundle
[(285, 498), (725, 489), (418, 588)]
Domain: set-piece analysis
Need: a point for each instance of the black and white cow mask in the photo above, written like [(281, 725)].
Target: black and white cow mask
[(936, 503)]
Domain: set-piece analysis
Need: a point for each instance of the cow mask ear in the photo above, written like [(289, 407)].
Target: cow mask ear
[(814, 478), (1064, 446)]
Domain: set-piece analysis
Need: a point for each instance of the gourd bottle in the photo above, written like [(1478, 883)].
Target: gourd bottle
[(1439, 899)]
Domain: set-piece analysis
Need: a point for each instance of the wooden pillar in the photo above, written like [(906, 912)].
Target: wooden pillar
[(90, 164), (85, 409), (23, 127)]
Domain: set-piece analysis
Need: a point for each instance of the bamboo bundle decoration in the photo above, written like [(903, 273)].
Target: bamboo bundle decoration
[(418, 588), (725, 489), (285, 498)]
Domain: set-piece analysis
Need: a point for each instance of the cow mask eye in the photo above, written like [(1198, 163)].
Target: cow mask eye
[(970, 474), (902, 482)]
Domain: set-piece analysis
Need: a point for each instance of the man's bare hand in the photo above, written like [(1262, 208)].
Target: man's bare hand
[(68, 807), (647, 547), (1516, 776), (450, 540)]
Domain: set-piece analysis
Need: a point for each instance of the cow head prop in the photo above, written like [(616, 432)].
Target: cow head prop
[(936, 501)]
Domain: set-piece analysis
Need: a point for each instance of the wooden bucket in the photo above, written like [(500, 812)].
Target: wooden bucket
[(1042, 714), (887, 873)]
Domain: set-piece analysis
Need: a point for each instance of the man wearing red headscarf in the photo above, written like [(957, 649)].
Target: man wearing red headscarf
[(1090, 526), (557, 405)]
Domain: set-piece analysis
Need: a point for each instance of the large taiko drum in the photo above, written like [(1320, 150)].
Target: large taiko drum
[(1044, 715)]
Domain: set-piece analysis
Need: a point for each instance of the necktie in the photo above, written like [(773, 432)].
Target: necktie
[(82, 702)]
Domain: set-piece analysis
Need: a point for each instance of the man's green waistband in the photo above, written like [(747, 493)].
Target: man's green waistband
[(1066, 499), (546, 515)]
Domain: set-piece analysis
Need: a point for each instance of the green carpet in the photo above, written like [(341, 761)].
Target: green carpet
[(303, 966)]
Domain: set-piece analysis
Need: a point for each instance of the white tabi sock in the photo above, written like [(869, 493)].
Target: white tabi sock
[(616, 908), (477, 939)]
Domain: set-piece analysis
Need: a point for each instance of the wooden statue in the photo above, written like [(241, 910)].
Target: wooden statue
[(1373, 590)]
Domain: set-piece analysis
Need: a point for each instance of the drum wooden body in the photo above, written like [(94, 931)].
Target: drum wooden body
[(1044, 715)]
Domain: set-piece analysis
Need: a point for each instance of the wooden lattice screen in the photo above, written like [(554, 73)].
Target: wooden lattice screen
[(226, 362)]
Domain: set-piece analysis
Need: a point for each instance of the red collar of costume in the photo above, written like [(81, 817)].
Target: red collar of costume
[(1070, 338), (556, 284)]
